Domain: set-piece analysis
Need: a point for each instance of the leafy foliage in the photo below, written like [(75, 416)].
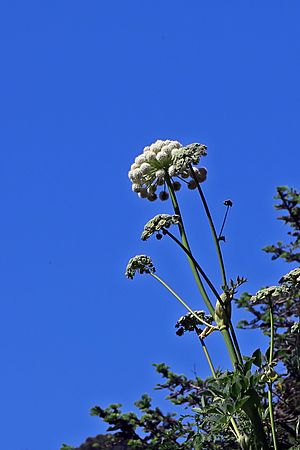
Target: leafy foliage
[(287, 336), (289, 201)]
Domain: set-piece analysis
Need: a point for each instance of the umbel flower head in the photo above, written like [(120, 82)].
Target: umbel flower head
[(157, 223), (188, 322), (270, 294), (293, 277), (164, 160), (139, 263)]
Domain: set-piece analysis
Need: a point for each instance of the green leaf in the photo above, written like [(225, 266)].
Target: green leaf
[(257, 358), (236, 389), (243, 401)]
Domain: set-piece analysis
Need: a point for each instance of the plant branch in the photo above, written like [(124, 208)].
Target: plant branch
[(212, 227), (180, 300)]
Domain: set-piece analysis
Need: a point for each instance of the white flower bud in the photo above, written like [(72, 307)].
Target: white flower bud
[(172, 171), (136, 187), (161, 156), (156, 147), (175, 151), (139, 159), (134, 166), (145, 167), (136, 174), (146, 149), (150, 156), (160, 173)]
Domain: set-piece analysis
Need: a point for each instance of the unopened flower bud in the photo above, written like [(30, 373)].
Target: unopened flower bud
[(192, 184), (163, 195), (176, 186)]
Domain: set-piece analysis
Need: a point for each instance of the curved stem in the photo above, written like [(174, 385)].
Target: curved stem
[(213, 289), (220, 257), (270, 399), (223, 223), (207, 355), (180, 300), (212, 227), (228, 340)]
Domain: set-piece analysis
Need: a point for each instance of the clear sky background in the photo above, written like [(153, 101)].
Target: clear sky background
[(85, 85)]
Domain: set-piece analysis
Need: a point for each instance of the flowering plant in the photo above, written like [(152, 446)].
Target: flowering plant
[(247, 407)]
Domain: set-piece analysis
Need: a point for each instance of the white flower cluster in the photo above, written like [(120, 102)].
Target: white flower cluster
[(157, 223), (270, 294), (292, 277), (141, 264), (156, 164)]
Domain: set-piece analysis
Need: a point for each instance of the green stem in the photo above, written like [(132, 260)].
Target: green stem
[(270, 399), (186, 245), (220, 258), (180, 300), (213, 289), (271, 411), (228, 341), (202, 273), (236, 344), (207, 355), (272, 335), (213, 229)]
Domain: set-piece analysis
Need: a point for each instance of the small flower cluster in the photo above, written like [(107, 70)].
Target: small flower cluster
[(162, 161), (188, 322), (293, 277), (139, 263), (270, 294), (188, 156), (157, 223)]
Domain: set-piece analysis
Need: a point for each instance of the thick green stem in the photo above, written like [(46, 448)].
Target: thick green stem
[(220, 258), (213, 289), (186, 245), (225, 332), (202, 273), (270, 399)]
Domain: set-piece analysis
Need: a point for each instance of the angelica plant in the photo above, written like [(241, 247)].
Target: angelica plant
[(161, 167), (253, 406)]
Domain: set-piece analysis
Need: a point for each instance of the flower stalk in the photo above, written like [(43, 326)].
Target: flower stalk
[(270, 383)]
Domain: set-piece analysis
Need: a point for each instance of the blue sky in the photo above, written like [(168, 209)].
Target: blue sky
[(84, 87)]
